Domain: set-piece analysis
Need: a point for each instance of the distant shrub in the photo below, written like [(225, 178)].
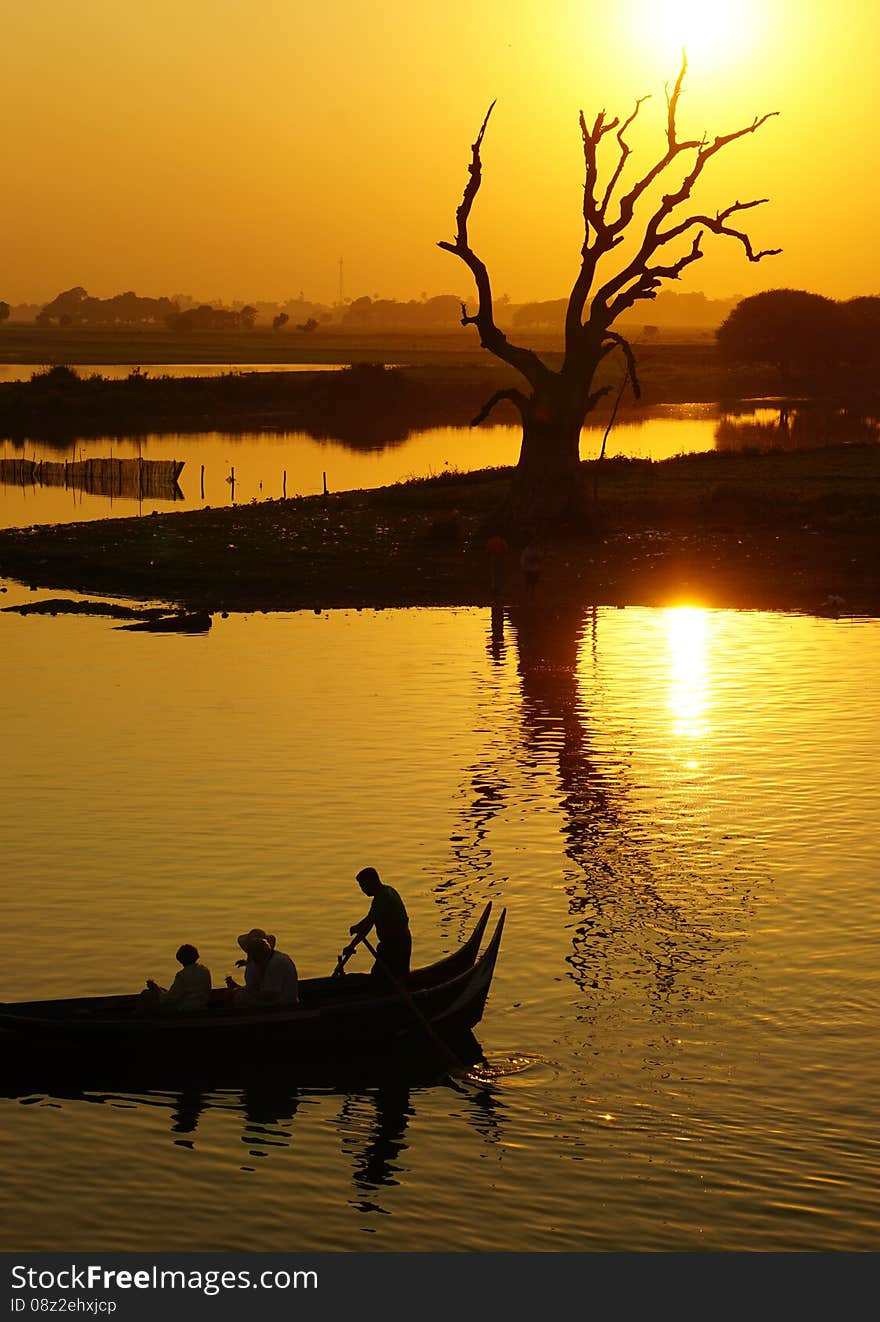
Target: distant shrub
[(798, 331), (56, 378)]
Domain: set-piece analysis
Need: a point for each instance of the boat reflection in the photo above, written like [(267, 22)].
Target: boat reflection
[(385, 1116), (375, 1106)]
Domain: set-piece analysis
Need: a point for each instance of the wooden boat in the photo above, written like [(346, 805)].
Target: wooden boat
[(337, 1017), (179, 622)]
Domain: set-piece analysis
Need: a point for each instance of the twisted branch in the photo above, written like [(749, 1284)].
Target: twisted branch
[(524, 360), (673, 149), (625, 151), (614, 297), (717, 225), (638, 279), (515, 396), (614, 341)]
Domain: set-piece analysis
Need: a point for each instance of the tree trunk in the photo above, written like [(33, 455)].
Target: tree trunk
[(547, 484)]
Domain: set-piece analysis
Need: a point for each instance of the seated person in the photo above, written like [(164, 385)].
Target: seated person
[(190, 990), (252, 973), (276, 983)]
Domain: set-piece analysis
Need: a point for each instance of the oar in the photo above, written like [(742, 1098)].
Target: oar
[(342, 960), (406, 996)]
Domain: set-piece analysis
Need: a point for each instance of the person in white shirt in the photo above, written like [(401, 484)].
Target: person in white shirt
[(252, 972), (278, 981), (190, 990)]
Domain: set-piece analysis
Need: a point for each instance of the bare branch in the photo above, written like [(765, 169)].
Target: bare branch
[(672, 102), (593, 400), (594, 219), (654, 237), (625, 150), (626, 348), (515, 396), (717, 224), (655, 274), (593, 211), (673, 149), (524, 360), (637, 279), (651, 278), (720, 142)]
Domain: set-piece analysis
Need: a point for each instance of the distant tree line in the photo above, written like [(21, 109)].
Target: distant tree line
[(75, 307), (690, 310), (801, 333), (205, 317), (804, 335), (440, 313)]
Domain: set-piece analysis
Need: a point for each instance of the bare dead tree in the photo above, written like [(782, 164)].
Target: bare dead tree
[(546, 482)]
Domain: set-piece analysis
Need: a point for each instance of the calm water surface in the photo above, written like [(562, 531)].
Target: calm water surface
[(678, 808), (271, 464), (119, 371)]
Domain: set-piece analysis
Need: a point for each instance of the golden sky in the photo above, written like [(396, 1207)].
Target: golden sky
[(231, 149)]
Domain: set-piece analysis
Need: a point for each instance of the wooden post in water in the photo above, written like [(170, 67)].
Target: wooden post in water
[(324, 476), (203, 481), (284, 483)]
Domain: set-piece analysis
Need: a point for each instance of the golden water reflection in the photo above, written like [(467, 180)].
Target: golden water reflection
[(688, 636), (689, 966)]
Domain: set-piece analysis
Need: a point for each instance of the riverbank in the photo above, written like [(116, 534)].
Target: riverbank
[(25, 342), (365, 405), (789, 531)]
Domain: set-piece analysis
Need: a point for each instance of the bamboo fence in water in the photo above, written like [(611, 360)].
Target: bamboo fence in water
[(136, 479)]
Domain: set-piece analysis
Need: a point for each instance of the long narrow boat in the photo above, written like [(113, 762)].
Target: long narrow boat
[(337, 1017)]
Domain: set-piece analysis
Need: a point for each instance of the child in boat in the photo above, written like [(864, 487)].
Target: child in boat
[(190, 990)]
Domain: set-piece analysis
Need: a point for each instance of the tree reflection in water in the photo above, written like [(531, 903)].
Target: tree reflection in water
[(795, 425), (635, 934)]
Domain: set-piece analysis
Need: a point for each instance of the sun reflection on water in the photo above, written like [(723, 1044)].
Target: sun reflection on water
[(687, 638)]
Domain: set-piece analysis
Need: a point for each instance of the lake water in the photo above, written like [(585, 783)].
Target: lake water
[(270, 464), (678, 808), (120, 371)]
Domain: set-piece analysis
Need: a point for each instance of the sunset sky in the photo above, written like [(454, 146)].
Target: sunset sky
[(219, 148)]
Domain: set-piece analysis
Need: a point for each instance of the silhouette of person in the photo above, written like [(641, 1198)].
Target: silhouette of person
[(497, 549), (190, 990), (531, 562), (276, 983), (388, 915)]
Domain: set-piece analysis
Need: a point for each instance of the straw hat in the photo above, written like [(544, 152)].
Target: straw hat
[(255, 934)]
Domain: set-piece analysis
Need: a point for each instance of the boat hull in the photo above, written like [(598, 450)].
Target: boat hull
[(340, 1021)]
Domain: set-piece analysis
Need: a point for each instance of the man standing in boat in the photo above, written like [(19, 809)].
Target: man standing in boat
[(389, 917)]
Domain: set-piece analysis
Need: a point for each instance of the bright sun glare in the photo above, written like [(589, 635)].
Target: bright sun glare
[(711, 31), (688, 666)]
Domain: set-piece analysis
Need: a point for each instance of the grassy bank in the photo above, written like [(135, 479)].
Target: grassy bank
[(666, 365), (774, 531), (363, 405), (22, 342)]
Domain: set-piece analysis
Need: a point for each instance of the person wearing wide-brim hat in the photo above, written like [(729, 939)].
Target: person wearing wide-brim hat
[(270, 976), (252, 971)]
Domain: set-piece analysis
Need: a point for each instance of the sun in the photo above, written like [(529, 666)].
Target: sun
[(713, 32)]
